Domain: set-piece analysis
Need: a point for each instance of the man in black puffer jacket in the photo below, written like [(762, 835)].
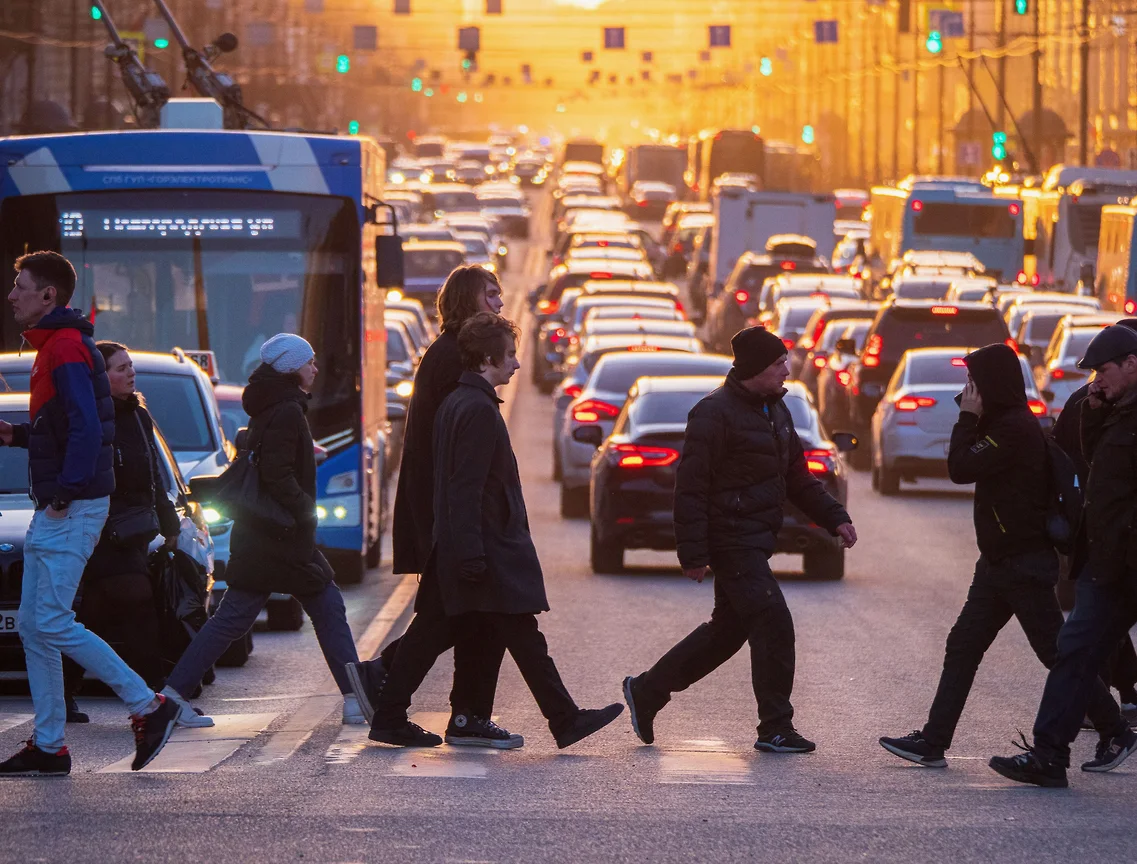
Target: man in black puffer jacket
[(741, 461), (998, 445)]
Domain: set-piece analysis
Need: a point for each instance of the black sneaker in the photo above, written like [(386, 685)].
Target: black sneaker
[(789, 742), (33, 762), (74, 715), (152, 731), (1111, 752), (1029, 767), (408, 735), (468, 730), (366, 680), (588, 721), (643, 717), (915, 748)]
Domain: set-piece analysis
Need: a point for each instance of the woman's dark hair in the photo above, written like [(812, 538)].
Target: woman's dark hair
[(485, 335), (458, 297), (108, 349)]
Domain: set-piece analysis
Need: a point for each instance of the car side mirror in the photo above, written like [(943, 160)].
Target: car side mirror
[(846, 346), (389, 261), (593, 435), (846, 441), (1048, 395), (203, 488), (241, 439)]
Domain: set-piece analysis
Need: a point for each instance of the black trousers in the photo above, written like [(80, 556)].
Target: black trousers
[(1019, 587), (749, 607)]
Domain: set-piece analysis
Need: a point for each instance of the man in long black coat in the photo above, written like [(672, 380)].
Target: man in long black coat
[(484, 562)]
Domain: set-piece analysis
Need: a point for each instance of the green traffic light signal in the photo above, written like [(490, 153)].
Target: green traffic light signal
[(353, 127), (807, 135), (161, 43), (416, 85), (934, 43), (96, 13), (1022, 7), (999, 145), (343, 64), (766, 67)]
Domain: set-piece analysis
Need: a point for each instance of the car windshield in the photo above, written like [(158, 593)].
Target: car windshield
[(430, 262), (396, 345), (585, 305), (948, 219), (937, 369), (619, 376), (475, 246), (834, 330), (14, 460), (664, 407), (233, 416), (796, 317), (907, 289), (923, 328), (457, 200), (801, 413), (1077, 341), (179, 410), (505, 203)]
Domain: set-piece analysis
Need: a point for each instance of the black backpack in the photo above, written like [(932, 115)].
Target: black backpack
[(1063, 499)]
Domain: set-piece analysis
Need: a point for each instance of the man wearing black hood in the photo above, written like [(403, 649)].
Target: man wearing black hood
[(998, 445), (741, 461)]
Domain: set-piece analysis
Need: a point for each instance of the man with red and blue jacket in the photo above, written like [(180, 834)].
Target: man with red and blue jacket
[(69, 443)]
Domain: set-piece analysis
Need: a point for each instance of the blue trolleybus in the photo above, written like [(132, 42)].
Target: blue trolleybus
[(215, 240)]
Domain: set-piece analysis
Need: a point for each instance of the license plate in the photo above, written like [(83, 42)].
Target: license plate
[(8, 620)]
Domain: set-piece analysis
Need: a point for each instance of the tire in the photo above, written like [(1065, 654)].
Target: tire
[(374, 553), (237, 654), (889, 483), (861, 458), (605, 557), (827, 564), (285, 614), (574, 502)]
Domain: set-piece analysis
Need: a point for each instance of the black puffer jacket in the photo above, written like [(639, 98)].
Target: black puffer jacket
[(1003, 453), (274, 560), (1107, 538), (741, 461)]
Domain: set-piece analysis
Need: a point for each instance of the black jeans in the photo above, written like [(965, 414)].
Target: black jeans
[(1021, 586), (749, 607), (1103, 613)]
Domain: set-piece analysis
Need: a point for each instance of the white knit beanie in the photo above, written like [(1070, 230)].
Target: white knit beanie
[(286, 352)]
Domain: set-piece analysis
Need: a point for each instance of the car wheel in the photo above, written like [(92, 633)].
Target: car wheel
[(605, 557), (374, 553), (826, 563), (874, 479), (237, 654), (285, 614), (861, 459), (557, 471), (574, 502), (889, 481)]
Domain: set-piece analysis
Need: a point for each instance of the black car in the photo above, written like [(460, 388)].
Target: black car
[(904, 324), (832, 381), (632, 492), (17, 509)]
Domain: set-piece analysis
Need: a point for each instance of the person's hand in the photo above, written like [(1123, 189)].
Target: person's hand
[(1094, 394), (52, 513), (848, 535), (696, 574), (473, 569), (971, 401), (5, 433)]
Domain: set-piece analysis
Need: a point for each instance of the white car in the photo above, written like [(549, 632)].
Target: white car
[(911, 427)]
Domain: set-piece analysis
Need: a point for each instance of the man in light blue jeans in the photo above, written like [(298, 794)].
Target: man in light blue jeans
[(69, 443)]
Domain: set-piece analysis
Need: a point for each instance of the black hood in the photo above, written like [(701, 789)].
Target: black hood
[(64, 317), (998, 374), (267, 387), (127, 405)]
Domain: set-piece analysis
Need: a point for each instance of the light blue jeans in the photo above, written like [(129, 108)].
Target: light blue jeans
[(55, 553)]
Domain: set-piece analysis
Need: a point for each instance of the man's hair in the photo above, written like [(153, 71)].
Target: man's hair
[(50, 268), (485, 335), (458, 297), (108, 349)]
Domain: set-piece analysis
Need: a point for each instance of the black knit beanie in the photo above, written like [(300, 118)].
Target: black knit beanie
[(754, 349)]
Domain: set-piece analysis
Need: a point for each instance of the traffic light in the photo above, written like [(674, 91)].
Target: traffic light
[(96, 13), (934, 43), (470, 61), (1022, 7), (766, 67), (807, 134), (353, 127), (343, 64), (462, 96), (999, 145), (416, 85)]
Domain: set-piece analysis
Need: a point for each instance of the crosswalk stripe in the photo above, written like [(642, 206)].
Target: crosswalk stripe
[(195, 751), (703, 761), (351, 741)]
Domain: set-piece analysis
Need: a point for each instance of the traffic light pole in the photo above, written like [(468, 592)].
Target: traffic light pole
[(1036, 84), (1028, 150)]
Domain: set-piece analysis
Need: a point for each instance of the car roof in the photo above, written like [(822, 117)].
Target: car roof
[(696, 219), (14, 401), (678, 383), (617, 286), (905, 305), (446, 187), (144, 361), (624, 300), (663, 341), (584, 265), (434, 245)]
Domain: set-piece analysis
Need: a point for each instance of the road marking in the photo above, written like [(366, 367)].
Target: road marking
[(433, 764), (351, 741), (703, 761), (380, 626), (195, 751), (11, 721)]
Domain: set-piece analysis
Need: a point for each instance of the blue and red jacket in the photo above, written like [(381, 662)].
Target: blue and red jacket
[(71, 433)]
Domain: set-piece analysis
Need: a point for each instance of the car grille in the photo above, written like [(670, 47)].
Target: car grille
[(11, 581)]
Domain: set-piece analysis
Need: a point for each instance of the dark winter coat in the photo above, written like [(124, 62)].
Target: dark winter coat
[(138, 483), (1003, 453), (413, 518), (479, 510), (741, 460), (262, 559), (1107, 539), (72, 419)]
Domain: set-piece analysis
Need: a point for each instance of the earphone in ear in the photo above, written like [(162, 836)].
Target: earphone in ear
[(46, 295)]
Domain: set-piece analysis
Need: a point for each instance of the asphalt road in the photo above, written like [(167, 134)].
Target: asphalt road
[(281, 780)]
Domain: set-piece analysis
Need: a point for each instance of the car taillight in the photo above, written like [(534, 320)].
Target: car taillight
[(844, 377), (1035, 280), (1014, 209), (573, 390), (1021, 278), (958, 361), (639, 456), (819, 362), (642, 348), (917, 205), (1012, 344), (872, 350), (819, 461), (1131, 307), (913, 403), (1057, 374), (557, 335), (678, 247), (1037, 407), (741, 295), (600, 275), (789, 343), (547, 307), (945, 310), (591, 410), (789, 265), (641, 203)]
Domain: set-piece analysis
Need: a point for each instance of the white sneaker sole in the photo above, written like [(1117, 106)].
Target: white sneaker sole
[(515, 741), (356, 683), (913, 758), (1121, 757)]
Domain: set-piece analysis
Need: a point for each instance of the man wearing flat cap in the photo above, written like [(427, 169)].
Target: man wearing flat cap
[(741, 461)]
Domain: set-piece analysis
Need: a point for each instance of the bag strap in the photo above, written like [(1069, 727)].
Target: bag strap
[(149, 459)]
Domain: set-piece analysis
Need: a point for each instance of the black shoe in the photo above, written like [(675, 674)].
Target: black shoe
[(33, 762), (366, 680), (1029, 767), (1129, 714), (589, 720), (643, 717), (915, 748), (152, 731), (1111, 752), (789, 742), (468, 730), (407, 735), (74, 715)]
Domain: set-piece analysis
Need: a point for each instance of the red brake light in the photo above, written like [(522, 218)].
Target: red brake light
[(819, 295), (789, 265), (917, 205), (599, 275), (641, 203), (602, 243), (1021, 278), (637, 456), (557, 335), (678, 247), (844, 377), (818, 461), (912, 403), (1057, 374), (945, 310), (871, 360), (1131, 307), (874, 345), (1014, 209), (547, 307), (957, 361), (789, 343), (573, 390), (741, 295), (818, 362), (1012, 344), (1037, 407), (642, 348), (591, 410)]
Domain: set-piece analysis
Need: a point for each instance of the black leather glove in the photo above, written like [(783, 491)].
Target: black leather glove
[(473, 569)]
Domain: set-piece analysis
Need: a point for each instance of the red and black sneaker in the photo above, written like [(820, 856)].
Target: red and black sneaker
[(152, 731), (33, 762)]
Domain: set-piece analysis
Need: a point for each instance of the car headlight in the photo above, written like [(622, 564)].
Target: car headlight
[(394, 295), (502, 250), (321, 513), (404, 389), (398, 177), (489, 265), (211, 516)]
